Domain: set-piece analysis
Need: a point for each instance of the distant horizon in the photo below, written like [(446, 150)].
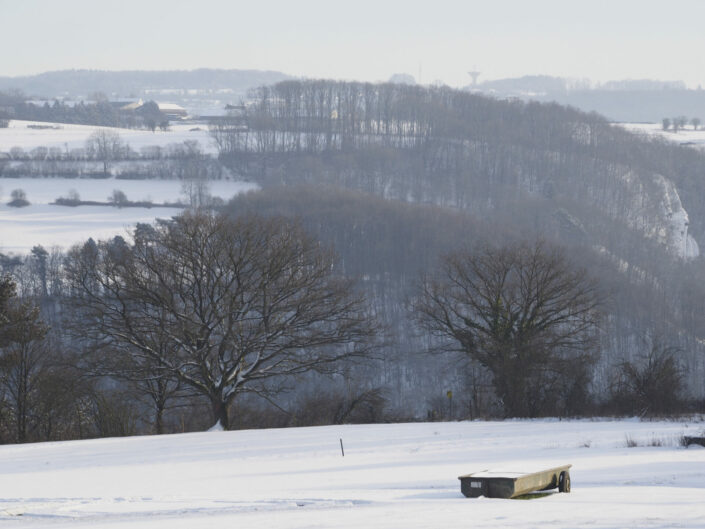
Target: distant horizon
[(372, 40), (592, 83)]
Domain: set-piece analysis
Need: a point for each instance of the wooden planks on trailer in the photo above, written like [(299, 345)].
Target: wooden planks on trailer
[(503, 484)]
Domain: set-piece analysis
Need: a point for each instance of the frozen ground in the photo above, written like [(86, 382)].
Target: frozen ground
[(70, 136), (392, 476), (49, 225), (686, 136)]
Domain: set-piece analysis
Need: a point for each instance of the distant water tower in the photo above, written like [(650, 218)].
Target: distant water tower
[(474, 74)]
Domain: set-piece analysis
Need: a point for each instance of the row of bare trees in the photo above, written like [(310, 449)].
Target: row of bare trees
[(462, 150), (101, 112), (106, 153), (678, 123)]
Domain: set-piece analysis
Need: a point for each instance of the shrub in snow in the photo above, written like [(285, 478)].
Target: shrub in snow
[(651, 384), (118, 198), (71, 199), (19, 199)]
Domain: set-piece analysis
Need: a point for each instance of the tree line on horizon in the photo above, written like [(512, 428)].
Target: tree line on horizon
[(101, 112)]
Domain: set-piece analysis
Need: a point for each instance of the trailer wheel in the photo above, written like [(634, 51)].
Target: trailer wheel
[(564, 481)]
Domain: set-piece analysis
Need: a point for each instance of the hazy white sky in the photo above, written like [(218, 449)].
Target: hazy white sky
[(362, 39)]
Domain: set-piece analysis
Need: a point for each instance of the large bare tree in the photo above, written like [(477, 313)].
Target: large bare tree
[(223, 305), (105, 145), (524, 312)]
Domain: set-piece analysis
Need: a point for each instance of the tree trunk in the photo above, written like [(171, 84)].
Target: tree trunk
[(510, 383), (21, 410), (220, 412), (21, 425), (158, 420)]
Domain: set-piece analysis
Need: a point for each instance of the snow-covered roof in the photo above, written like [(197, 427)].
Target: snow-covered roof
[(171, 107)]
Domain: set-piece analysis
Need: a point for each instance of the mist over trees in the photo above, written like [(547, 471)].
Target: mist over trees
[(381, 207), (455, 149), (537, 170), (628, 100)]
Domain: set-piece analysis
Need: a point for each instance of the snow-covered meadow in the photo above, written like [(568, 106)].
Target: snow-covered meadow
[(69, 136), (392, 476), (60, 226), (42, 191), (51, 225), (686, 136)]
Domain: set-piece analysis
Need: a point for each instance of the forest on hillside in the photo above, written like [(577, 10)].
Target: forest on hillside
[(628, 205), (382, 200)]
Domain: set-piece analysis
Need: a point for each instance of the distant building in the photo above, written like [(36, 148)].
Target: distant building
[(172, 111), (134, 105)]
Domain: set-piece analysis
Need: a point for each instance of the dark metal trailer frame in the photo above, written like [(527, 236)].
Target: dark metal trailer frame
[(512, 484)]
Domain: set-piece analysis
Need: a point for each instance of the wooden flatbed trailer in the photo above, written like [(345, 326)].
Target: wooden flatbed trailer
[(499, 484)]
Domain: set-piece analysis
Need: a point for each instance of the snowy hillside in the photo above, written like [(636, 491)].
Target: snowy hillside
[(392, 476), (24, 134)]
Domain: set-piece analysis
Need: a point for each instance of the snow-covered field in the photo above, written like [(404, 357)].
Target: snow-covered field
[(47, 190), (41, 223), (70, 136), (49, 225), (683, 136), (392, 476)]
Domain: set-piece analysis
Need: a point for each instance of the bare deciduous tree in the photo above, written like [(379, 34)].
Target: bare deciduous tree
[(105, 145), (523, 312), (650, 385), (118, 198), (195, 185), (224, 306)]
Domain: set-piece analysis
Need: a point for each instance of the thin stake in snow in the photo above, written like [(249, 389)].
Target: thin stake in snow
[(342, 451)]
